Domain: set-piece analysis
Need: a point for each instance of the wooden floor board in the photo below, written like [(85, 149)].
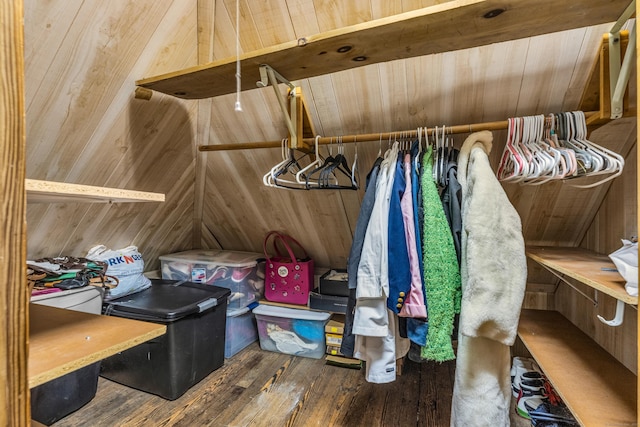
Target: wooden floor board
[(260, 388)]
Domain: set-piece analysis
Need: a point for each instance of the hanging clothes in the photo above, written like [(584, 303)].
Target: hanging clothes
[(494, 272), (414, 303), (348, 339), (451, 197), (370, 318), (441, 273), (416, 196), (375, 327), (399, 262)]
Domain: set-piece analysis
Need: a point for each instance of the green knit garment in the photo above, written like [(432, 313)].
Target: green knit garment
[(441, 272)]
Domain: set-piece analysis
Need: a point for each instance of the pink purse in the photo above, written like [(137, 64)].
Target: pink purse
[(287, 279)]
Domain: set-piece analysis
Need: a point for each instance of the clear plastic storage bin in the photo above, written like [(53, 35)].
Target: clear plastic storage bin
[(238, 271), (241, 330), (291, 331)]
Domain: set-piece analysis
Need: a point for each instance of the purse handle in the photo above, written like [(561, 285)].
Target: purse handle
[(283, 238)]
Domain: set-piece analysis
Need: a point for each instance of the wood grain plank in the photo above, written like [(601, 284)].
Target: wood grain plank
[(585, 266), (607, 395), (55, 192), (61, 341), (407, 31), (206, 21), (14, 395)]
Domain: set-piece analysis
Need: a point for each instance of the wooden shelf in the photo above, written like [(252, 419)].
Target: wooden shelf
[(597, 388), (425, 31), (57, 192), (584, 266), (61, 341)]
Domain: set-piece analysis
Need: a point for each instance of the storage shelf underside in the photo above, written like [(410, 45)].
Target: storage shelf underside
[(430, 30), (597, 388)]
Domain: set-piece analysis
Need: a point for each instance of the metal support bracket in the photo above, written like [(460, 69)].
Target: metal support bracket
[(619, 73), (592, 300), (296, 116), (618, 318)]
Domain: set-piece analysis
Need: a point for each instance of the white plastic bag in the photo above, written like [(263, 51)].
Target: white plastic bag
[(626, 261), (126, 265)]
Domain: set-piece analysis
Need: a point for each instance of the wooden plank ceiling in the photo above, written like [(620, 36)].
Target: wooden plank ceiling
[(84, 126)]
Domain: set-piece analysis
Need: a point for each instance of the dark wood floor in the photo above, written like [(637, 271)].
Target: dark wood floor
[(260, 388)]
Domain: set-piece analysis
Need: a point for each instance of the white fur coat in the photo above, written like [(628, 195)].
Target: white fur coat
[(494, 274)]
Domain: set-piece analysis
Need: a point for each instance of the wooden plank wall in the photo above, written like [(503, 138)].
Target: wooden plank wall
[(84, 125)]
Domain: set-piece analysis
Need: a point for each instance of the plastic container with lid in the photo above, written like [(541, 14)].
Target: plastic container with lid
[(192, 347), (291, 331), (238, 271), (241, 330)]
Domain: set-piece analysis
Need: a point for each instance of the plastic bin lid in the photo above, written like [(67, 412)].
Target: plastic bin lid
[(169, 300), (215, 257), (291, 313), (235, 312)]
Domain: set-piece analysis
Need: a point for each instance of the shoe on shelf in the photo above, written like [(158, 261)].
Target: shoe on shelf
[(523, 368), (546, 412), (532, 394), (552, 424)]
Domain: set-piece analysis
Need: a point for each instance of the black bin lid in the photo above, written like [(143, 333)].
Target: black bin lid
[(169, 300)]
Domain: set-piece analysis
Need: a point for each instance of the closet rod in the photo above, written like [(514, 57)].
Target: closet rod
[(368, 137)]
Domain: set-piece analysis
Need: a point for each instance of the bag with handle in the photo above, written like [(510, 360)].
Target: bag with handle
[(626, 261), (126, 265), (288, 278)]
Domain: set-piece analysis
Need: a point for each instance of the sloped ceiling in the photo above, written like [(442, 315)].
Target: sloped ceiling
[(84, 126)]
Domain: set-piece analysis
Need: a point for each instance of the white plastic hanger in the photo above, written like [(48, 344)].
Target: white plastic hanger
[(300, 178)]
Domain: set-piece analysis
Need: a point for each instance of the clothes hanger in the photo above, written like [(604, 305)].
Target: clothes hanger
[(547, 160), (354, 166), (444, 160), (614, 161), (310, 181), (327, 172), (511, 163), (291, 168), (319, 161), (567, 154), (267, 178)]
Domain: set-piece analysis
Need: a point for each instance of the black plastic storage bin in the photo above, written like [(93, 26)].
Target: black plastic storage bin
[(192, 348), (56, 399)]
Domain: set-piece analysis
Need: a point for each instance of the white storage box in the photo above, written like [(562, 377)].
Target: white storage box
[(87, 299), (237, 271), (291, 331), (241, 330)]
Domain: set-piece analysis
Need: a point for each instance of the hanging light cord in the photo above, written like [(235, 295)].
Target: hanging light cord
[(238, 107)]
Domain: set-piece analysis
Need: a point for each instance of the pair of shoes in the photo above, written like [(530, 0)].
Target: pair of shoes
[(546, 414), (523, 368), (532, 394)]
